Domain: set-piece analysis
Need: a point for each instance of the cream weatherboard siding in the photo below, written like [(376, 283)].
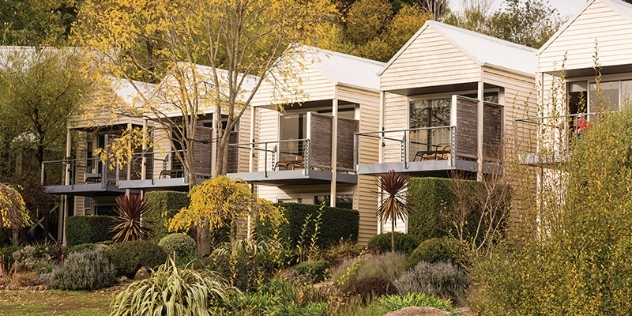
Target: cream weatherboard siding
[(314, 86), (520, 101), (395, 118), (598, 25), (364, 194), (425, 63)]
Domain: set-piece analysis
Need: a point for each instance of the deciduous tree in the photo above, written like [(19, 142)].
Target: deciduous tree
[(13, 211), (530, 22), (221, 202), (239, 42)]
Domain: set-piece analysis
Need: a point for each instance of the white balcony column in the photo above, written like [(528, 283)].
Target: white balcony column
[(214, 139), (251, 159), (129, 160), (381, 124), (143, 162), (63, 208), (479, 128), (334, 149)]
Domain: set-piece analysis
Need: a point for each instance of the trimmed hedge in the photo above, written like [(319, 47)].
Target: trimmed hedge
[(404, 243), (90, 229), (336, 224), (427, 198), (163, 205), (430, 198)]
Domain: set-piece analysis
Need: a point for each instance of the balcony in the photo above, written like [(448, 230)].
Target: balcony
[(302, 161), (440, 150), (546, 141), (84, 177)]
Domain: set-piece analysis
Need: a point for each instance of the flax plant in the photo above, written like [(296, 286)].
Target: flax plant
[(171, 291)]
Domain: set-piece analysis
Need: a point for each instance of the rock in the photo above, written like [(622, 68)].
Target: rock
[(419, 311), (122, 279), (142, 274)]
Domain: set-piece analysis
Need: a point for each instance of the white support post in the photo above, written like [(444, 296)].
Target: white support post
[(251, 159), (479, 127), (63, 209), (334, 150)]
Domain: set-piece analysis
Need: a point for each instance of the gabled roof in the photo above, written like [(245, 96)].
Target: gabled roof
[(345, 69), (130, 92), (623, 8), (482, 49), (204, 75)]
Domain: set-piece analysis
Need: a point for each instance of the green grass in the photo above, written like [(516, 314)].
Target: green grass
[(75, 303)]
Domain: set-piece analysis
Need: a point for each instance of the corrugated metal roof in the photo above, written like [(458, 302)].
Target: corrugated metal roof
[(132, 92), (487, 50), (345, 69)]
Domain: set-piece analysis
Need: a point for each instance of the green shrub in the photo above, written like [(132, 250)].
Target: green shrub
[(129, 256), (7, 256), (80, 247), (387, 266), (336, 224), (181, 245), (29, 259), (162, 206), (317, 270), (432, 202), (427, 198), (84, 270), (396, 302), (404, 243), (242, 272), (171, 291), (440, 279), (88, 229), (444, 249), (369, 288)]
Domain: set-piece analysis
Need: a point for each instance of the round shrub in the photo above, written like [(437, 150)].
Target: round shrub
[(441, 279), (129, 256), (368, 288), (387, 266), (404, 243), (317, 270), (181, 245), (84, 270), (438, 250), (81, 247)]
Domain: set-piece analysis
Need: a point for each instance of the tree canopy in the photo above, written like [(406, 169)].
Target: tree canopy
[(210, 55), (530, 22)]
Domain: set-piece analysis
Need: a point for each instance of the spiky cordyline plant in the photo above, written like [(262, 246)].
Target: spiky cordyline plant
[(394, 205), (130, 209)]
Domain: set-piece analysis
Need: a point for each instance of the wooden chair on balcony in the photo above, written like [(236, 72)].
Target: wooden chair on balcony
[(91, 177), (297, 163), (172, 173)]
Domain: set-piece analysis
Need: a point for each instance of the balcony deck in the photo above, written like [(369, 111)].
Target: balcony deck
[(547, 141), (302, 161)]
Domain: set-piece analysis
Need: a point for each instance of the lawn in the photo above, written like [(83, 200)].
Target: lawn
[(53, 302)]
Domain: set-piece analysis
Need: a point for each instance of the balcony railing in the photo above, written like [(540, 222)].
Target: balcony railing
[(417, 144), (547, 140)]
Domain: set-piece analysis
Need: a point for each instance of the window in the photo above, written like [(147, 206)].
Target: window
[(429, 113), (342, 201), (584, 98)]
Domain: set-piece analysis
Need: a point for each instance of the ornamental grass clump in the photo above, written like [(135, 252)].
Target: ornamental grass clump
[(171, 291)]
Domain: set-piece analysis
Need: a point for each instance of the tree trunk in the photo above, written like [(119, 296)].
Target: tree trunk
[(204, 240), (392, 236), (15, 238)]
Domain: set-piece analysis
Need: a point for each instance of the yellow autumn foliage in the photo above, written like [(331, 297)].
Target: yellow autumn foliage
[(220, 202), (12, 208)]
